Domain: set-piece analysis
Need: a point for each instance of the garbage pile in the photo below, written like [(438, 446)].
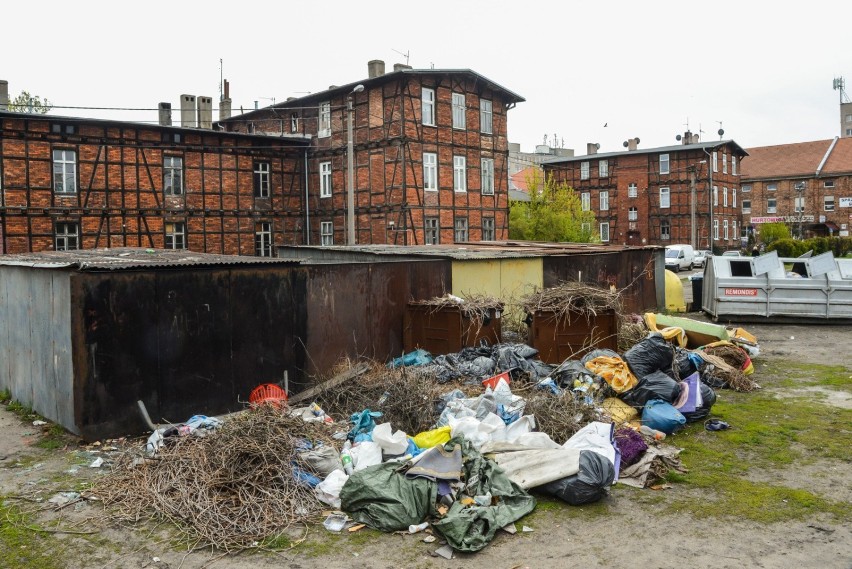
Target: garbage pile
[(459, 442)]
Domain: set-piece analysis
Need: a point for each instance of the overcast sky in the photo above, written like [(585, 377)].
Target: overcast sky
[(643, 69)]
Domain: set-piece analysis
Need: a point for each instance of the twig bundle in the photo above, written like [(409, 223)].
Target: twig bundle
[(560, 416), (476, 308), (228, 489), (570, 298), (726, 375)]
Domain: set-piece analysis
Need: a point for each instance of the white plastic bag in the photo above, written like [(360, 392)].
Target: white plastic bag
[(391, 444), (328, 491), (364, 454)]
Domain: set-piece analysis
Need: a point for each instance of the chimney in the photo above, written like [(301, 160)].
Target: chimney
[(375, 68), (632, 143), (205, 112), (4, 95), (165, 114), (400, 66), (592, 148), (225, 103), (187, 111)]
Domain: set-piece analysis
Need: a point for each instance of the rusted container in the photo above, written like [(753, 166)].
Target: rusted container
[(559, 337), (446, 329)]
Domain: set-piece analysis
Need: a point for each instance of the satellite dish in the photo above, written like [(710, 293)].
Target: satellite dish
[(598, 145), (637, 140), (625, 144), (721, 132), (678, 138)]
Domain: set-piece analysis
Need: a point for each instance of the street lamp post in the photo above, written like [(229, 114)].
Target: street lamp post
[(350, 177), (710, 235), (800, 189)]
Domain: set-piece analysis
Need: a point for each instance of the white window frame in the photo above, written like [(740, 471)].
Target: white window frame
[(427, 106), (459, 174), (665, 230), (733, 165), (488, 229), (773, 187), (430, 172), (324, 119), (715, 195), (665, 164), (586, 228), (172, 175), (294, 122), (585, 201), (734, 198), (632, 190), (746, 206), (604, 229), (175, 237), (603, 198), (66, 236), (263, 239), (828, 184), (724, 196), (665, 198), (460, 233), (459, 110), (715, 161), (326, 233), (486, 116), (828, 203), (726, 230), (325, 179), (603, 169), (584, 170), (487, 175), (798, 204), (262, 176), (64, 171), (746, 188), (431, 231), (715, 230), (771, 208), (633, 214), (724, 162)]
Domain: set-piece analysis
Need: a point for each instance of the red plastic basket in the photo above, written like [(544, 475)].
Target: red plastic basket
[(268, 393)]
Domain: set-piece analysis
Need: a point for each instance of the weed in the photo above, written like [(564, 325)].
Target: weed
[(21, 547), (5, 396)]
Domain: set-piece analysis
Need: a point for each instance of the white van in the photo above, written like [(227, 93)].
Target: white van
[(679, 257)]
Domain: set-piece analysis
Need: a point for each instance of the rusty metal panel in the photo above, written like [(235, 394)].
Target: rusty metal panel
[(446, 330), (630, 269), (558, 338)]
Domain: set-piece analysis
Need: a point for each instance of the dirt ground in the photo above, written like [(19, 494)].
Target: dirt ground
[(631, 528)]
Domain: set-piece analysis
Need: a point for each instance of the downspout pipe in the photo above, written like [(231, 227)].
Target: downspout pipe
[(307, 203)]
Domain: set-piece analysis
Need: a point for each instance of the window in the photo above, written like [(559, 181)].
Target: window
[(799, 204), (771, 205), (430, 172), (849, 132), (605, 231), (633, 214), (325, 179), (427, 104), (828, 184), (724, 197), (324, 125), (173, 176), (715, 195), (586, 228), (488, 229), (458, 111), (261, 179), (715, 229), (431, 232), (665, 230), (724, 162), (665, 198), (733, 229), (459, 174), (64, 171), (771, 187), (746, 188), (715, 161), (733, 197), (604, 197), (603, 169), (175, 235), (734, 165), (746, 206), (326, 233), (665, 167), (632, 191), (67, 236), (460, 229), (263, 239), (584, 170), (725, 230), (56, 128), (487, 176), (585, 201), (294, 122), (486, 116), (828, 203), (848, 118)]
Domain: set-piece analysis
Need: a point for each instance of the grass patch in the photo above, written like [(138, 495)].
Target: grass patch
[(21, 547), (53, 437)]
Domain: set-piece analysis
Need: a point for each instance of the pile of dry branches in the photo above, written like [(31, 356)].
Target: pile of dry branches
[(559, 416), (228, 489), (570, 298), (725, 374), (630, 332)]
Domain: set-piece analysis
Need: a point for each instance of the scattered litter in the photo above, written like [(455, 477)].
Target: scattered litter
[(429, 539), (527, 529), (356, 527), (39, 423), (97, 463), (418, 528), (335, 522), (446, 552), (716, 425), (510, 529), (62, 498)]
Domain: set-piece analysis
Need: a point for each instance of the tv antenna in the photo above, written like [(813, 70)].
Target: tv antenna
[(721, 131), (405, 55), (840, 85)]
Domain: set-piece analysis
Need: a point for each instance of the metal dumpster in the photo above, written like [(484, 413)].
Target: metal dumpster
[(557, 337), (446, 330), (769, 287)]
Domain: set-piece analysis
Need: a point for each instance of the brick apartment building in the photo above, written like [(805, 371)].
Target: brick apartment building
[(660, 196), (430, 155), (807, 185)]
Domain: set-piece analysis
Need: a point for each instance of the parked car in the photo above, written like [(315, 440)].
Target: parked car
[(732, 254), (701, 257), (679, 257)]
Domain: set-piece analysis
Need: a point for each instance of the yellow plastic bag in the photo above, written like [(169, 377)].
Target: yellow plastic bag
[(615, 371), (435, 437), (620, 411)]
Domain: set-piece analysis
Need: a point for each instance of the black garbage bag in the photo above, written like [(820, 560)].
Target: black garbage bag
[(568, 371), (655, 385), (652, 354), (589, 485), (683, 364), (708, 398), (599, 352)]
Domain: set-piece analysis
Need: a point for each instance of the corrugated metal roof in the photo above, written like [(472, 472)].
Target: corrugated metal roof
[(478, 250), (122, 258), (673, 148)]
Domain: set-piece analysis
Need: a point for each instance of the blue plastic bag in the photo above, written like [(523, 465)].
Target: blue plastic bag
[(662, 416), (364, 423)]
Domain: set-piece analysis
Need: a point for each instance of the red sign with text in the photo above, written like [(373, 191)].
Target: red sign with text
[(740, 292)]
